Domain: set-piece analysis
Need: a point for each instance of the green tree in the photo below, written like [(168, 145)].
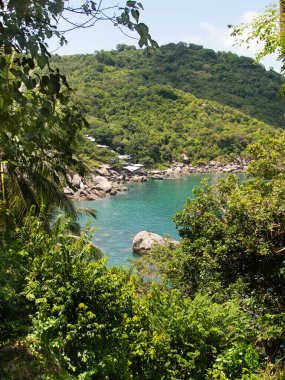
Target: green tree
[(39, 124), (232, 243)]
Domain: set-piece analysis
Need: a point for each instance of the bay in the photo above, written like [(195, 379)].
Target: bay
[(146, 206)]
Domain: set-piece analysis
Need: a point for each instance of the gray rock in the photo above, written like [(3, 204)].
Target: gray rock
[(76, 180), (176, 171), (157, 176), (99, 193), (103, 170), (68, 191), (82, 193), (169, 172), (101, 183), (82, 186), (93, 197), (123, 188), (144, 240)]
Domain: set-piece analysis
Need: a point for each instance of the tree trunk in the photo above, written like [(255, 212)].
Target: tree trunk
[(282, 22)]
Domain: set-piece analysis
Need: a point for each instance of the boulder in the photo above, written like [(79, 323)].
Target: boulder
[(99, 194), (136, 178), (82, 193), (92, 197), (101, 183), (113, 173), (139, 178), (123, 188), (82, 186), (68, 191), (76, 180), (169, 172), (103, 170), (177, 171), (144, 240), (157, 176)]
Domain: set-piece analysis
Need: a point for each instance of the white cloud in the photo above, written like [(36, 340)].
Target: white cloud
[(248, 16), (217, 35), (219, 38)]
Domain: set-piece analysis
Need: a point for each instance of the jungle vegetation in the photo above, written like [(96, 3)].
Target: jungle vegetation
[(180, 98), (215, 309)]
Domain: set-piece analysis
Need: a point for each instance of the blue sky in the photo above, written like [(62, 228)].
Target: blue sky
[(199, 21)]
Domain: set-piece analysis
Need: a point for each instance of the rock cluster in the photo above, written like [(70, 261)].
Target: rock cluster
[(92, 188), (105, 182), (144, 241), (179, 169), (108, 182)]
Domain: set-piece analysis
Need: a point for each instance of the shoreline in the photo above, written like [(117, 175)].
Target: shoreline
[(107, 182)]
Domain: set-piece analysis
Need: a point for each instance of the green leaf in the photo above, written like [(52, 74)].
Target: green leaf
[(86, 9), (135, 14), (49, 34), (53, 84), (131, 3), (42, 61)]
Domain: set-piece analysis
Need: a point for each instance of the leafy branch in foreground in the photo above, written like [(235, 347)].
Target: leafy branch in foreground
[(39, 125), (232, 245), (264, 29)]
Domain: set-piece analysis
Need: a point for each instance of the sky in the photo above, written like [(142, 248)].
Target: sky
[(203, 22)]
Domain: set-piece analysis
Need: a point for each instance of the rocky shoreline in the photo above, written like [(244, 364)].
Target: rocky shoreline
[(108, 182)]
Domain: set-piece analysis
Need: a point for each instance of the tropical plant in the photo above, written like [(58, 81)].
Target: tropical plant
[(39, 126)]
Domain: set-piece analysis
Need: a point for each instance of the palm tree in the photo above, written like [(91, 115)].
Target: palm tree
[(37, 134)]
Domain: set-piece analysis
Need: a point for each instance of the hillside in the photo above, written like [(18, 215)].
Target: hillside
[(221, 76), (142, 111)]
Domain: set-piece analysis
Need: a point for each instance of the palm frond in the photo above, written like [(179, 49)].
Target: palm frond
[(86, 211)]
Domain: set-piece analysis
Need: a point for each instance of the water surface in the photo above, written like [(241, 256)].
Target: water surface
[(147, 206)]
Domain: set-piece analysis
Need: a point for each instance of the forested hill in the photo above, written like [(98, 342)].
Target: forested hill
[(141, 105), (224, 77)]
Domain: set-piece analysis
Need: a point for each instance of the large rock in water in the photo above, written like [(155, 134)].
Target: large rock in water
[(101, 183), (144, 240)]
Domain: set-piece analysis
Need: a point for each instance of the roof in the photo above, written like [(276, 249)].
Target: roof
[(131, 168), (124, 156)]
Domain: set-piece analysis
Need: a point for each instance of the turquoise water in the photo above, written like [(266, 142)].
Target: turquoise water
[(147, 206)]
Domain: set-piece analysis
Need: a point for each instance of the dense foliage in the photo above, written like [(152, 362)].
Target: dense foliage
[(215, 309), (216, 313), (233, 245), (140, 114), (99, 323)]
